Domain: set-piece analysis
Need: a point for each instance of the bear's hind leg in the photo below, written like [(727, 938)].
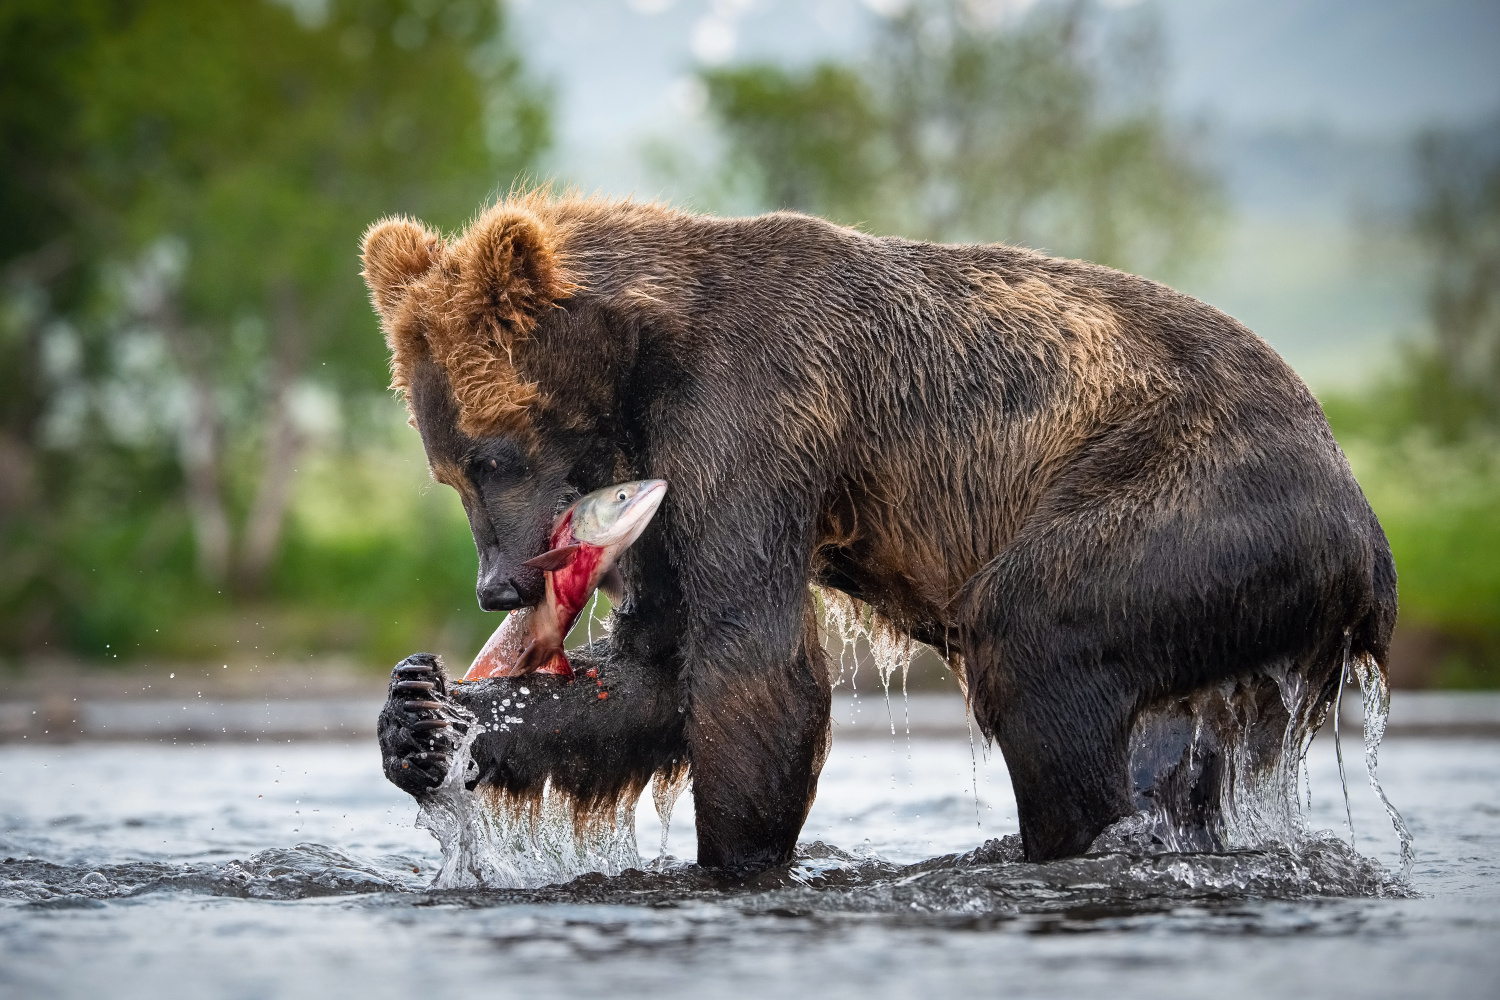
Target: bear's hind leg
[(1108, 707)]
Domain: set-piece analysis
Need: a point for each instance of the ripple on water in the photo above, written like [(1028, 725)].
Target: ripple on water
[(174, 877), (991, 881), (301, 872)]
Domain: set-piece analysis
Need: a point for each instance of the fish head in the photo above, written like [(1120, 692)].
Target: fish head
[(615, 516)]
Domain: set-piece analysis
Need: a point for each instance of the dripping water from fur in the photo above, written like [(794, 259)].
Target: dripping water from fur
[(973, 765), (853, 621), (666, 788), (1338, 741), (1377, 709)]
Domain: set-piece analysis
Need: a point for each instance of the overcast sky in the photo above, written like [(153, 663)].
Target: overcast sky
[(622, 67)]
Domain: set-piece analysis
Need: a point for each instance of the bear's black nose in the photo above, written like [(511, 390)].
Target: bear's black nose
[(499, 596)]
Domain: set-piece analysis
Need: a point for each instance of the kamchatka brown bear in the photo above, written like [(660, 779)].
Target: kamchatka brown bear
[(1101, 500)]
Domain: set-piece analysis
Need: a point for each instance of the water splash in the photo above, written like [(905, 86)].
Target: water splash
[(497, 842), (1220, 771), (994, 878)]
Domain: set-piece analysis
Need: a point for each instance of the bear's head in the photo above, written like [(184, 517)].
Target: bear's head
[(458, 315)]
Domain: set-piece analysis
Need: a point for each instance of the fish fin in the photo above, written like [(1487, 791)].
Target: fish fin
[(613, 585), (554, 559), (558, 664)]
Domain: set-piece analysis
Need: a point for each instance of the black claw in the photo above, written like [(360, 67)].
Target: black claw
[(434, 705), (407, 669), (425, 686), (426, 724)]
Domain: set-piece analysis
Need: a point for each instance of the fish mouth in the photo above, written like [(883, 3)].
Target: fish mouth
[(635, 515)]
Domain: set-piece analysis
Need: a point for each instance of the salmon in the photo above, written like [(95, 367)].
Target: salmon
[(585, 542)]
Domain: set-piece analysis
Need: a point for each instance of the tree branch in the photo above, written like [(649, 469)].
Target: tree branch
[(284, 443)]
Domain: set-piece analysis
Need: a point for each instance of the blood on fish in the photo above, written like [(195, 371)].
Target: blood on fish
[(530, 640)]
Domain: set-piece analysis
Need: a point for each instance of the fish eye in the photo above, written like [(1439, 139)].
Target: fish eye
[(622, 495)]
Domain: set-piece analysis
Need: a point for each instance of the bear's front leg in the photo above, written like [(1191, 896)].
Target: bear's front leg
[(596, 737), (758, 735)]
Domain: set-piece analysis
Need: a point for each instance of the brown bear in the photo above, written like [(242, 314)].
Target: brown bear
[(1098, 498)]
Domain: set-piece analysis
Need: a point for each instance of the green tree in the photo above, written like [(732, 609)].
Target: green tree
[(183, 190), (954, 128), (1456, 381), (45, 253), (39, 244), (802, 140), (1423, 439), (245, 151)]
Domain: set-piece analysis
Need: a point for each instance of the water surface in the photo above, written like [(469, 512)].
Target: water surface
[(295, 869)]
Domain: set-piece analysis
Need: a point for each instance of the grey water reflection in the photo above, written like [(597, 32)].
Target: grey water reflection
[(293, 869)]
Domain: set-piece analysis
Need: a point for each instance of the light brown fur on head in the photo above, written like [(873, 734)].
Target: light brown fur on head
[(395, 252), (467, 304)]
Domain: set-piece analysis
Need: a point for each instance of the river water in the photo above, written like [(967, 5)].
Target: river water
[(294, 869)]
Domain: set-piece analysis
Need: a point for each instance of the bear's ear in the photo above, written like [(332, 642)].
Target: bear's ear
[(505, 271), (395, 252), (508, 273)]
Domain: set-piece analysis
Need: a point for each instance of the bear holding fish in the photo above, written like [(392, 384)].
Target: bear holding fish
[(1115, 512)]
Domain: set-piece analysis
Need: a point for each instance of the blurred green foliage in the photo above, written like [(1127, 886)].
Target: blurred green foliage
[(198, 457), (1456, 383), (184, 187), (1425, 440), (1046, 132), (805, 138)]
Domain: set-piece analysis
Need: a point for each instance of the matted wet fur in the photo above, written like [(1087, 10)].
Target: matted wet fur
[(1095, 493)]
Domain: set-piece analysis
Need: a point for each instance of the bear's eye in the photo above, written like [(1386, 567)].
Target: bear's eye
[(497, 469), (497, 464)]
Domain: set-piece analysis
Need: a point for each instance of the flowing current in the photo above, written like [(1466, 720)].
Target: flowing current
[(291, 869), (134, 870)]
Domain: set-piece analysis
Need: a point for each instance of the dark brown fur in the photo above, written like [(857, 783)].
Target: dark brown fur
[(1095, 492)]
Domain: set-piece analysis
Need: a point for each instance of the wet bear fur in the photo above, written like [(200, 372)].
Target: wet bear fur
[(1092, 494)]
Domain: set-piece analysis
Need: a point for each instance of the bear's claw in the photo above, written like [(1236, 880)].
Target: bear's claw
[(420, 727)]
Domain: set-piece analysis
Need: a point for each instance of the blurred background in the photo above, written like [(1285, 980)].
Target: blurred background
[(201, 467)]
